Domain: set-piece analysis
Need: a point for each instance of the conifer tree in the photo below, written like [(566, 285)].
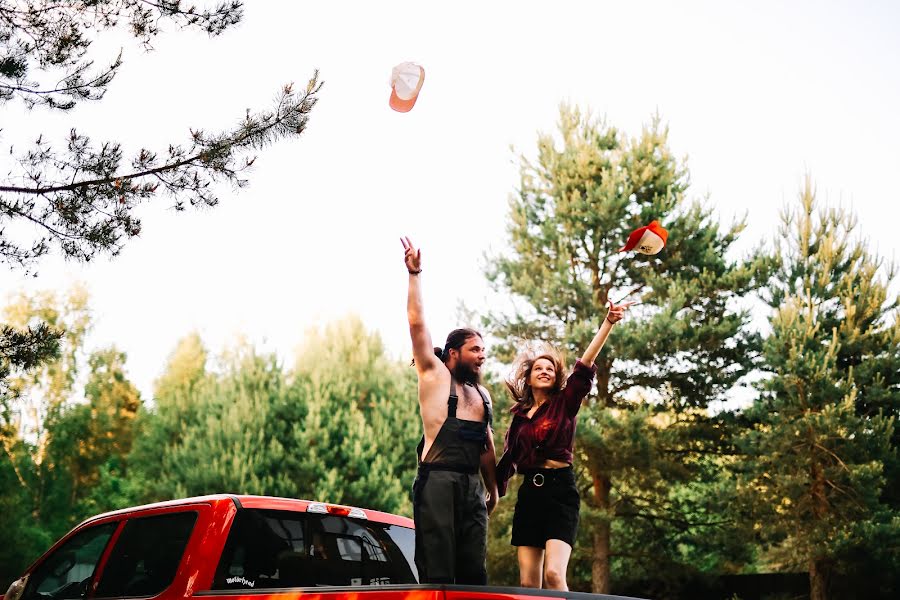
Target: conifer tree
[(824, 437)]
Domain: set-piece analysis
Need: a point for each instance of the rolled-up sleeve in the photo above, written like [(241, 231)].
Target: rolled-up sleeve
[(578, 386)]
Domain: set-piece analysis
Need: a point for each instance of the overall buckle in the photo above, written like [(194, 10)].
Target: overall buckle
[(538, 482)]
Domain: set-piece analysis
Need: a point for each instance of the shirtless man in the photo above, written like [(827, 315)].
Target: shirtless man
[(450, 505)]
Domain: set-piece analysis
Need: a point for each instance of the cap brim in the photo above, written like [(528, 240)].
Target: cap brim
[(633, 239), (401, 105)]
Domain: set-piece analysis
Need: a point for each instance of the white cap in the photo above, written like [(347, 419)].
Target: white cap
[(406, 82)]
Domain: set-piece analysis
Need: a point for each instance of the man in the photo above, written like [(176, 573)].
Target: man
[(450, 506)]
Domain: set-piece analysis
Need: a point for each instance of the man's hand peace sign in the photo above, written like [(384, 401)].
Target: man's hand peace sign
[(412, 256)]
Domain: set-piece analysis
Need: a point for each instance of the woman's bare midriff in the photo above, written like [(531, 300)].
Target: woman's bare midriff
[(553, 464)]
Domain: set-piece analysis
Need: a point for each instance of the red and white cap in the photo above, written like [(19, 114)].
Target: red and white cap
[(406, 82), (649, 239)]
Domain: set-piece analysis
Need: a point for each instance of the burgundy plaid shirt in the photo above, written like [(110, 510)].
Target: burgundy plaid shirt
[(550, 433)]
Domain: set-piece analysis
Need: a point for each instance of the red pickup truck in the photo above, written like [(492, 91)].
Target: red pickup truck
[(243, 548)]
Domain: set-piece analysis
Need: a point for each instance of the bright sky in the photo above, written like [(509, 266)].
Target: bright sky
[(755, 94)]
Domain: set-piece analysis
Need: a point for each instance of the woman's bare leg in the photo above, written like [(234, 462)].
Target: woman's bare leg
[(531, 566), (556, 562)]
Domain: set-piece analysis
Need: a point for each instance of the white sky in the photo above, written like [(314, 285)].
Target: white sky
[(755, 95)]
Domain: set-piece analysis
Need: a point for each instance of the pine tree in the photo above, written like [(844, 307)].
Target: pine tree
[(826, 417), (685, 346)]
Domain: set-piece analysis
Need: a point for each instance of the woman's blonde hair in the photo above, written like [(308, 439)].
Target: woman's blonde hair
[(517, 383)]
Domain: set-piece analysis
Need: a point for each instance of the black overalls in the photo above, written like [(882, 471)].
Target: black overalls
[(448, 501)]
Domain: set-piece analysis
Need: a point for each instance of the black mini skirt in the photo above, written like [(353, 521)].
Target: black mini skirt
[(546, 508)]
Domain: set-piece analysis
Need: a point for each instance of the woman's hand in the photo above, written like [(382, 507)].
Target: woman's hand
[(614, 315), (617, 311)]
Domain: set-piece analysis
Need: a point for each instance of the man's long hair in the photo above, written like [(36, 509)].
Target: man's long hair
[(455, 341), (517, 383)]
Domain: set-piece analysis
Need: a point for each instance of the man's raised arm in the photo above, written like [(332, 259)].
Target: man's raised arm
[(423, 350)]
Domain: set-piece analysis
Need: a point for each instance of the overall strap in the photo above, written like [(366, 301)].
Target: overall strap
[(488, 413), (453, 400)]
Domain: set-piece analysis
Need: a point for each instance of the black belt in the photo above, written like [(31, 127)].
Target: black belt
[(538, 477), (457, 468)]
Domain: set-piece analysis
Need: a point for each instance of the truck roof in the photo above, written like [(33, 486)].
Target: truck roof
[(259, 502)]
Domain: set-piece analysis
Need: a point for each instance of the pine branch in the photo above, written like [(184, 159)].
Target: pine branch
[(44, 36), (84, 214)]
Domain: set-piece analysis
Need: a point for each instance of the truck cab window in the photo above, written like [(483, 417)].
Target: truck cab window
[(146, 556), (67, 572), (280, 549)]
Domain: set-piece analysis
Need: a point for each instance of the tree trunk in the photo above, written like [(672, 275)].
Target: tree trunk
[(600, 574), (600, 583), (818, 579), (818, 565)]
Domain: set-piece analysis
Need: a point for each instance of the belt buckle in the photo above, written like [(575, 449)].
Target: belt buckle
[(534, 480)]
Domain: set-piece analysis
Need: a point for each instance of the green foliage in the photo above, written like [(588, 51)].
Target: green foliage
[(89, 439), (211, 433), (185, 368), (823, 440), (502, 560), (670, 514), (574, 209), (40, 395), (17, 507), (160, 426), (50, 40), (22, 350), (48, 384), (58, 446), (363, 421), (341, 428)]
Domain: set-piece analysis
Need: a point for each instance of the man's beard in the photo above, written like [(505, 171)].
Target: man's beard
[(466, 374)]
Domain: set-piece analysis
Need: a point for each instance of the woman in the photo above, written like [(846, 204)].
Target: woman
[(539, 445)]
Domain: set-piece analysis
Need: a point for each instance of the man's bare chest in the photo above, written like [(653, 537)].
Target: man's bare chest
[(471, 404)]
